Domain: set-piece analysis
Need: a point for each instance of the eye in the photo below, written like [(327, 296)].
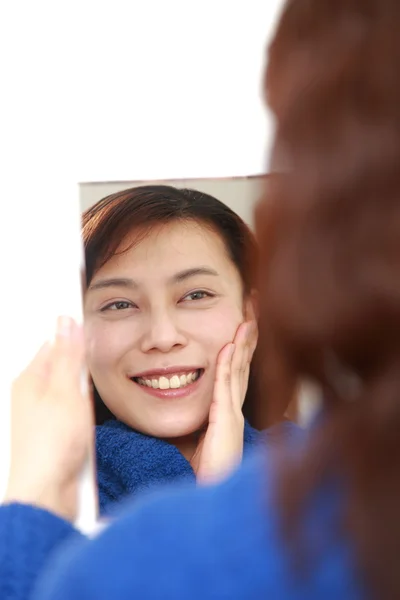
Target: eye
[(197, 295), (118, 305)]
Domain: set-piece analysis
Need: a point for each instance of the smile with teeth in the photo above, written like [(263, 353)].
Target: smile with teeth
[(171, 382)]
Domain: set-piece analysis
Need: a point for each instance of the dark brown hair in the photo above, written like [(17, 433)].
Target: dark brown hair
[(108, 223), (329, 235)]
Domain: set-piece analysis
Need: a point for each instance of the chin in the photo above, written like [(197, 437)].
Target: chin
[(178, 428)]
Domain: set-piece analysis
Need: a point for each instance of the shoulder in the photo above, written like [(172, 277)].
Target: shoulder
[(285, 432), (190, 542), (174, 544), (28, 537)]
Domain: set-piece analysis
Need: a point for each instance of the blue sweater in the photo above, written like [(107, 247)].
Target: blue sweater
[(129, 462), (182, 543)]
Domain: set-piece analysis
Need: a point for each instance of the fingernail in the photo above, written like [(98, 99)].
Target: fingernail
[(231, 350), (65, 326)]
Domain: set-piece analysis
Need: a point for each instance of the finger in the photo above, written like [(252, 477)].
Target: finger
[(247, 357), (250, 343), (252, 339), (222, 386), (245, 383), (67, 358), (240, 363), (249, 338), (34, 378)]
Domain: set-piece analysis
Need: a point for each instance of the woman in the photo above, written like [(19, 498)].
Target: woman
[(320, 520), (170, 293)]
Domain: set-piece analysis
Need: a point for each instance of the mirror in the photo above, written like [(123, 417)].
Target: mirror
[(167, 288), (168, 285)]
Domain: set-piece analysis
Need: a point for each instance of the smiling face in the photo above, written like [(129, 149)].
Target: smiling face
[(156, 318)]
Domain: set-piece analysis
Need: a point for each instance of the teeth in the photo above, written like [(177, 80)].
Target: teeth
[(174, 382), (164, 383)]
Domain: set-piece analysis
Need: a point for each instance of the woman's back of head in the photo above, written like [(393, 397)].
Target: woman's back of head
[(329, 228)]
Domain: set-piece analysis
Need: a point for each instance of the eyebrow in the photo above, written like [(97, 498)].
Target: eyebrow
[(126, 282), (113, 282), (183, 275)]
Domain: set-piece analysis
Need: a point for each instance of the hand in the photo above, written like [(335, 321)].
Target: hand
[(220, 448), (51, 425)]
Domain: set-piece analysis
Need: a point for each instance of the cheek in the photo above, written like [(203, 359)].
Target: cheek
[(218, 327), (107, 342)]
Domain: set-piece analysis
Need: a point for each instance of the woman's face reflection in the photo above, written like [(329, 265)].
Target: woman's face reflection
[(156, 318)]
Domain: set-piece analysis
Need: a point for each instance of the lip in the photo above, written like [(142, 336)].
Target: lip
[(171, 393), (165, 371)]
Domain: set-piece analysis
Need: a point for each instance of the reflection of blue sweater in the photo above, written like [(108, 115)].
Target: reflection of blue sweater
[(129, 462), (183, 543)]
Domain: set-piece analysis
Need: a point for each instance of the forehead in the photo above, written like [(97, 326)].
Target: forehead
[(168, 248)]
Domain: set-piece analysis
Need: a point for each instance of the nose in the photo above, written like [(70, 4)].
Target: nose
[(162, 333)]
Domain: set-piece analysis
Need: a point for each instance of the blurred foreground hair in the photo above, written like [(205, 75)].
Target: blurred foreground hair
[(329, 231)]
